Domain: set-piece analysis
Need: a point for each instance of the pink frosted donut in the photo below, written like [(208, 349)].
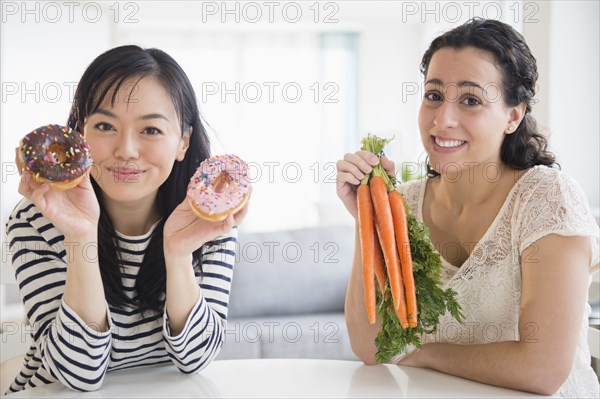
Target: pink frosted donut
[(219, 187)]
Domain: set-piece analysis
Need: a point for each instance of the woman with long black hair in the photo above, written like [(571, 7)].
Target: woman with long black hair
[(119, 272)]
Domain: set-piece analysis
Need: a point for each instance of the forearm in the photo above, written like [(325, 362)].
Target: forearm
[(73, 352), (68, 347), (362, 334), (182, 291), (508, 364), (196, 323), (84, 291)]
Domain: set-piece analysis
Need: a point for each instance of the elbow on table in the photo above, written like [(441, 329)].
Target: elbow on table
[(549, 381), (86, 387), (91, 388), (362, 339), (76, 379), (367, 360), (365, 355)]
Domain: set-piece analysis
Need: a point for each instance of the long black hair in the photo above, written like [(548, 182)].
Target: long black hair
[(109, 71), (526, 147)]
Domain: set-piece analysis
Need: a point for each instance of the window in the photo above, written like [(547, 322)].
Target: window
[(285, 102)]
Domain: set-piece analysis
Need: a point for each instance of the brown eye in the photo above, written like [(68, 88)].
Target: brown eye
[(152, 131), (103, 126), (433, 96), (471, 101)]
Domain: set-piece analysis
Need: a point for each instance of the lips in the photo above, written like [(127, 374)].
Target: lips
[(126, 174)]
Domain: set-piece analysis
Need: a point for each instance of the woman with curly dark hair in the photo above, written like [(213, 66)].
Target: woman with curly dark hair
[(516, 236)]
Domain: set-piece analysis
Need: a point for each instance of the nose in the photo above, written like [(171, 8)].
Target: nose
[(127, 147), (445, 116)]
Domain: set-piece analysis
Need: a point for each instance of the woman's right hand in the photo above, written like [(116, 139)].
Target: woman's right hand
[(350, 172), (74, 212)]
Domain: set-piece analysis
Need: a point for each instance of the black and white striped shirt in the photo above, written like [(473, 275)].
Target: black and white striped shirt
[(67, 350)]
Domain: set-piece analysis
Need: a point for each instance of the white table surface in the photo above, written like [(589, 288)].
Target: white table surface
[(280, 378)]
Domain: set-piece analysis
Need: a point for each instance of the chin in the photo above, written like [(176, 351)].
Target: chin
[(127, 192)]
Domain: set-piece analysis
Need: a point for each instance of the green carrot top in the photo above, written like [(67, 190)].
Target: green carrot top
[(375, 145)]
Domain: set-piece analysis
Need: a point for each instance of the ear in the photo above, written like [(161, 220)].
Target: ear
[(184, 144), (515, 116)]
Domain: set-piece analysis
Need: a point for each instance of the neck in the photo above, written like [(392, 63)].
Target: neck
[(474, 186), (133, 218)]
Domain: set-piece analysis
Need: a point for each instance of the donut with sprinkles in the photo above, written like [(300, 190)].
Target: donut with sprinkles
[(220, 186), (56, 155)]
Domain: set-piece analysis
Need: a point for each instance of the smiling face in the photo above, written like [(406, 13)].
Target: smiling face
[(463, 119), (135, 141)]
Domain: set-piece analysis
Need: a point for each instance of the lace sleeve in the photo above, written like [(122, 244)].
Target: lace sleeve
[(556, 204), (411, 192)]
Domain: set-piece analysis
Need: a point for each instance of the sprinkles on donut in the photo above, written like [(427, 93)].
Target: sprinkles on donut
[(219, 187), (56, 155)]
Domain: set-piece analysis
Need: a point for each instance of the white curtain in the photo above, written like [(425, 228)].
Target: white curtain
[(283, 101)]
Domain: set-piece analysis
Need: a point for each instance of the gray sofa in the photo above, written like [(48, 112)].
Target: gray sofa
[(287, 295)]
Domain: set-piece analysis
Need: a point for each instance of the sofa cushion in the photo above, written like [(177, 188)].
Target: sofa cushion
[(291, 272), (314, 336)]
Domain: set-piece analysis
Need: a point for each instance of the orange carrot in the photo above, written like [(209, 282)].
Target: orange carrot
[(367, 245), (378, 266), (383, 215), (401, 230), (382, 278)]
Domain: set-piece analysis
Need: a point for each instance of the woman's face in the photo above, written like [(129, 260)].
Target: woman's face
[(135, 141), (463, 118)]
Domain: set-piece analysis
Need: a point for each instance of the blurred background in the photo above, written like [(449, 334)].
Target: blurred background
[(292, 86)]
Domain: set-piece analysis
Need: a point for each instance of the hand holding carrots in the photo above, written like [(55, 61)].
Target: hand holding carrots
[(394, 277), (375, 204), (352, 169)]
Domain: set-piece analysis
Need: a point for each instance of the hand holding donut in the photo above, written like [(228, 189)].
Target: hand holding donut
[(185, 232), (351, 170), (53, 178), (217, 199)]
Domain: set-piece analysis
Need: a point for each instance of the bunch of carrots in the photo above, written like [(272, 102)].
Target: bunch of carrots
[(384, 240), (396, 250)]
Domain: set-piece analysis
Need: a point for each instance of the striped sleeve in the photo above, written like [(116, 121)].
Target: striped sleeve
[(204, 332), (69, 350)]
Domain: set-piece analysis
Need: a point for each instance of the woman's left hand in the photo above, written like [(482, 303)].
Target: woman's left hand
[(185, 232), (409, 358)]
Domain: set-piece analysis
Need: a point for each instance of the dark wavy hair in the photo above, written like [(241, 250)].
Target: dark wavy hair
[(526, 147), (111, 70)]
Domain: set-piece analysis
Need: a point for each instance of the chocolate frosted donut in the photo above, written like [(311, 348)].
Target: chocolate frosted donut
[(55, 155)]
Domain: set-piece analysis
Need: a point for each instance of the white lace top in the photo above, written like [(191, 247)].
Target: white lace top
[(488, 284)]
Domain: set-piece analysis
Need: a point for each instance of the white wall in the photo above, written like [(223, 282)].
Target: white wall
[(40, 64), (393, 35), (41, 56), (573, 96), (565, 41)]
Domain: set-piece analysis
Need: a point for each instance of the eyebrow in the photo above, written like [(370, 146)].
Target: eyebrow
[(462, 83), (143, 117)]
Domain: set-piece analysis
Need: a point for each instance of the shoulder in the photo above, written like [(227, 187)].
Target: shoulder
[(544, 184), (23, 210), (551, 201), (26, 211), (25, 214), (411, 191), (27, 221)]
